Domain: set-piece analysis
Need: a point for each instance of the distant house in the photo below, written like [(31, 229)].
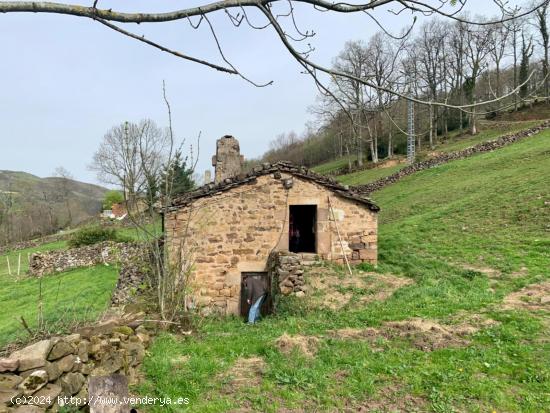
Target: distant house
[(228, 229), (117, 211), (107, 213)]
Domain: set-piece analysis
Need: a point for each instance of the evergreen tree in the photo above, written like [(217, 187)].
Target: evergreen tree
[(177, 177)]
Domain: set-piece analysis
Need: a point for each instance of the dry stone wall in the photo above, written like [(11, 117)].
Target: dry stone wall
[(45, 375), (452, 156), (132, 258), (286, 273), (108, 252)]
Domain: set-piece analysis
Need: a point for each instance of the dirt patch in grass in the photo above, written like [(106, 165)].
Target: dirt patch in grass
[(488, 271), (356, 333), (425, 335), (307, 345), (393, 398), (464, 323), (245, 372), (532, 297), (335, 290)]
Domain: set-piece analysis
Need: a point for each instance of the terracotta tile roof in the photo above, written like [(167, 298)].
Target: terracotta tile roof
[(276, 169)]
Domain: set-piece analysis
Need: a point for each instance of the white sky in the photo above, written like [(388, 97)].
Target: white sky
[(64, 81)]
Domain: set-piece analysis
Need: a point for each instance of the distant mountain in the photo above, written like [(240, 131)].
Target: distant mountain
[(31, 206)]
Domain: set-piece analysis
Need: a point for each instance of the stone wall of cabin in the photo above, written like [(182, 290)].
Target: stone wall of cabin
[(232, 232)]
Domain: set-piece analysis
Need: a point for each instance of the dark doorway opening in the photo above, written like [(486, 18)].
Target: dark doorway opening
[(267, 305), (302, 224)]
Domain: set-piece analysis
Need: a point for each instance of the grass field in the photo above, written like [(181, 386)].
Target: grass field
[(368, 175), (466, 234), (13, 258), (69, 297), (72, 296), (487, 131), (329, 167)]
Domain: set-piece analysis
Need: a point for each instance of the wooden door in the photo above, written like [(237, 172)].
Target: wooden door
[(267, 306)]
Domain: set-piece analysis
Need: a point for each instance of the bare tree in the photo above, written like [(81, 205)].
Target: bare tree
[(171, 265), (457, 45), (478, 42), (350, 93), (382, 64), (278, 15), (515, 28), (48, 201), (6, 210), (541, 19), (431, 47), (63, 187), (526, 53), (497, 50), (130, 155)]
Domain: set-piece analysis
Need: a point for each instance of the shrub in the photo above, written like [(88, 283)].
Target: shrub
[(93, 235), (112, 197)]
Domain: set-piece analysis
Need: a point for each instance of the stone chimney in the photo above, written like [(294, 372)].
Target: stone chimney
[(228, 160)]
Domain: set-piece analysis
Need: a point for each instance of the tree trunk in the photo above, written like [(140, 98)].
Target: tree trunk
[(431, 116), (374, 146), (436, 121), (390, 143), (371, 143), (446, 123), (515, 73), (360, 148), (473, 128)]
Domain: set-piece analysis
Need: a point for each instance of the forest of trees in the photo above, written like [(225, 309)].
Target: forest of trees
[(456, 63), (32, 207)]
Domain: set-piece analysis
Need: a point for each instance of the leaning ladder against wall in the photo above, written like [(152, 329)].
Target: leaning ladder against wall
[(339, 237)]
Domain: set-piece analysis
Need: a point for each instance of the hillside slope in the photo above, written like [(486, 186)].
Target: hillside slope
[(491, 209), (455, 318), (488, 130), (43, 205)]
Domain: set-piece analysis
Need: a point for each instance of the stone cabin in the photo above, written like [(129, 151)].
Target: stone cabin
[(227, 230)]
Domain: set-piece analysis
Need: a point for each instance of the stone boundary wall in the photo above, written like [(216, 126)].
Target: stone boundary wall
[(286, 272), (453, 156), (32, 243), (108, 252), (132, 257), (60, 366)]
